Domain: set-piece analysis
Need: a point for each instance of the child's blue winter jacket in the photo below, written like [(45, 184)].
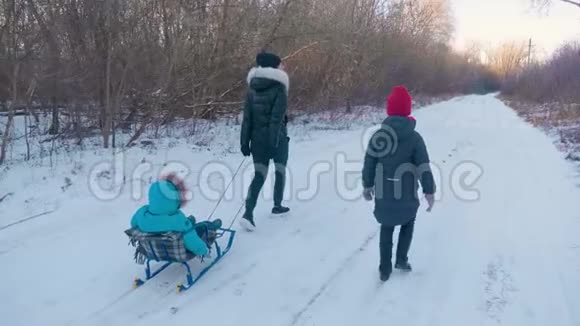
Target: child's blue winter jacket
[(163, 215)]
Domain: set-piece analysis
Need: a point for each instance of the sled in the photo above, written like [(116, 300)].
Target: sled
[(168, 248)]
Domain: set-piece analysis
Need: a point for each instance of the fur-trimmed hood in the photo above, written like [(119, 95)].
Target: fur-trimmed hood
[(273, 74)]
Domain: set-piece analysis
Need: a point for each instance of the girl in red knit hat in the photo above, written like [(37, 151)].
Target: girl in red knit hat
[(396, 161)]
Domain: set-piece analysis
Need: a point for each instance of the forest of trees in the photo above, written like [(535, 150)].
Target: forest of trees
[(554, 79), (109, 66)]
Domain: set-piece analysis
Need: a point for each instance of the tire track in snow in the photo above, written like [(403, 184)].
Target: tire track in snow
[(157, 307), (223, 285), (343, 266), (4, 227)]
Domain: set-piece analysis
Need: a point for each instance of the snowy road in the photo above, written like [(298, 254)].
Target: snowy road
[(502, 249)]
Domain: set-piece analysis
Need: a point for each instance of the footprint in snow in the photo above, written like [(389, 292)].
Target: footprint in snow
[(499, 287)]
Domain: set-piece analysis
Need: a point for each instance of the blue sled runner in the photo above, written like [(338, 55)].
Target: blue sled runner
[(168, 248)]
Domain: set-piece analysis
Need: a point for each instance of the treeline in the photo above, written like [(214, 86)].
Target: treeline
[(124, 65), (554, 80)]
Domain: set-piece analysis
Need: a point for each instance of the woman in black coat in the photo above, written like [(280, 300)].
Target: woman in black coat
[(264, 135)]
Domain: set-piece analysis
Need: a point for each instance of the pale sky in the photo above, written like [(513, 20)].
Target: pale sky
[(494, 21)]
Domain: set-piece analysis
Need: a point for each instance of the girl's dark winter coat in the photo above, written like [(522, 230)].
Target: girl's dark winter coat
[(395, 162)]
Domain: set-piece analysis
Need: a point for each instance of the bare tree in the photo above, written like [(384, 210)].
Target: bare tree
[(542, 4), (508, 58), (136, 65)]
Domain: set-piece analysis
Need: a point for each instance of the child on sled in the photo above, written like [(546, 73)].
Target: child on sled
[(163, 214)]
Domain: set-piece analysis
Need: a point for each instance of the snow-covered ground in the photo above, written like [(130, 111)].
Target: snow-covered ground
[(502, 246), (561, 121)]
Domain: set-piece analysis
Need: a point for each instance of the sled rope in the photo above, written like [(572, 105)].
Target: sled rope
[(237, 215), (227, 188)]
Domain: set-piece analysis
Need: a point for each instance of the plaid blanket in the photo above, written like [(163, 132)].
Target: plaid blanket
[(168, 246)]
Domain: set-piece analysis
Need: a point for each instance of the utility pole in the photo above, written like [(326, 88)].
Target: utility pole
[(530, 52)]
